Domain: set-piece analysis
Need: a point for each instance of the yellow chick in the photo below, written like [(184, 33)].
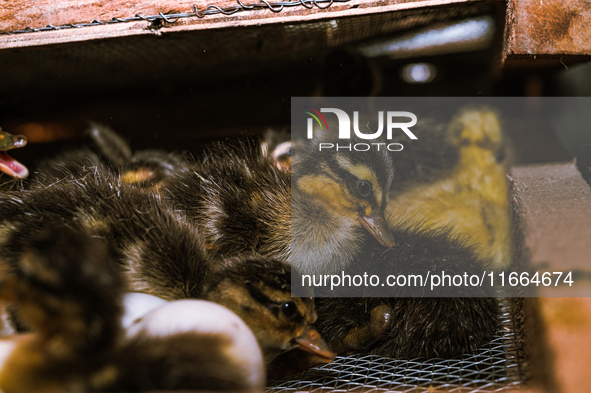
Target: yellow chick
[(473, 200)]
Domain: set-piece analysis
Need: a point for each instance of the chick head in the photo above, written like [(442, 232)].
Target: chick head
[(338, 196), (258, 290)]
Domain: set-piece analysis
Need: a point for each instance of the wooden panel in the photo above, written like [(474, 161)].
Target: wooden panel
[(554, 206), (18, 14), (533, 141), (568, 326), (548, 29)]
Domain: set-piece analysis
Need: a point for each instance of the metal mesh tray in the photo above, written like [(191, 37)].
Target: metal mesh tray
[(495, 367)]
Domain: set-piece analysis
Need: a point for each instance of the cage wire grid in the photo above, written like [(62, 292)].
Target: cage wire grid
[(173, 17), (495, 367)]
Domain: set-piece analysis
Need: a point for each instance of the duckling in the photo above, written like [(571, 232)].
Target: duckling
[(470, 196), (407, 327), (80, 160), (8, 164), (243, 203), (238, 198), (148, 169), (326, 195), (106, 151), (259, 290), (138, 227), (338, 201), (66, 289)]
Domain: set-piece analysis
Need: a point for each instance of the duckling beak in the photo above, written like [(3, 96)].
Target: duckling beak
[(375, 223), (12, 167), (311, 341), (9, 141), (8, 164)]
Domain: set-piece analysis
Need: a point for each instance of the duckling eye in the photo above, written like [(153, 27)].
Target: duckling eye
[(289, 309), (364, 188)]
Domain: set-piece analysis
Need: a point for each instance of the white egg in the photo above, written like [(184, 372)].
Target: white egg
[(137, 305), (7, 344), (207, 318)]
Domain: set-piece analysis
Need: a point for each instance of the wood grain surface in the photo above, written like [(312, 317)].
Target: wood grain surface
[(548, 28), (20, 14)]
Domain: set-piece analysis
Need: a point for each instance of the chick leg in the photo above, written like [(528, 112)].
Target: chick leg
[(359, 339)]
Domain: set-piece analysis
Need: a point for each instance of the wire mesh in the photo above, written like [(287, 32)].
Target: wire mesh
[(496, 367)]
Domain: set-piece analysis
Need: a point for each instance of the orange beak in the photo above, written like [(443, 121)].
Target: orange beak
[(376, 224), (311, 341)]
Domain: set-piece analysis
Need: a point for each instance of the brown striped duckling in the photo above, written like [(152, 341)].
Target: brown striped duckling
[(243, 203), (67, 291), (106, 151)]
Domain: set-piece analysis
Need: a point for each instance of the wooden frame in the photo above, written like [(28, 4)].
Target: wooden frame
[(20, 14)]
